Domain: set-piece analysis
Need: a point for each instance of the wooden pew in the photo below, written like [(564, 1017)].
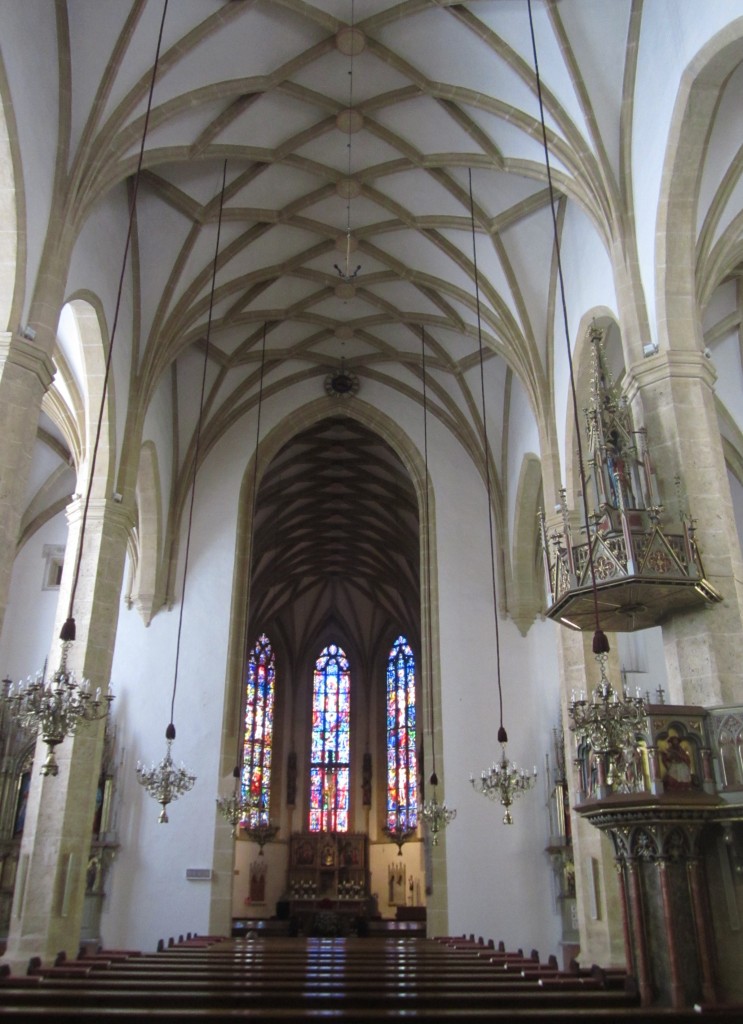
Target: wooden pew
[(362, 980)]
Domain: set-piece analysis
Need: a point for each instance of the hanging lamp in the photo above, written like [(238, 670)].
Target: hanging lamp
[(504, 781), (437, 816), (56, 708), (165, 782), (630, 559), (606, 720), (350, 41)]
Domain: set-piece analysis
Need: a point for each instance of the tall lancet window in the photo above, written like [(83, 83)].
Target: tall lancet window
[(402, 759), (260, 688), (330, 751)]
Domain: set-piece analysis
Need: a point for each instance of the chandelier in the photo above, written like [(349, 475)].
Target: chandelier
[(257, 827), (401, 831), (608, 722), (504, 781), (349, 41), (436, 816), (234, 808), (165, 782), (55, 709)]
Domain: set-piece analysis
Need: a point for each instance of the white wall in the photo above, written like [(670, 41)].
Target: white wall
[(498, 876), (148, 896)]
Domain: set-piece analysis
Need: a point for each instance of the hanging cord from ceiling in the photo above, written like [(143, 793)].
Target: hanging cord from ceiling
[(68, 632), (437, 816), (505, 781), (237, 807), (502, 734), (165, 782), (349, 275)]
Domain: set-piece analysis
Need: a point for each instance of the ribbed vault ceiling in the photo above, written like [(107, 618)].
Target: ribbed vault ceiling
[(336, 540), (351, 131)]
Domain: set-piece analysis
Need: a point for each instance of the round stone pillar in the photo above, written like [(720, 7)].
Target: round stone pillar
[(50, 888), (703, 647)]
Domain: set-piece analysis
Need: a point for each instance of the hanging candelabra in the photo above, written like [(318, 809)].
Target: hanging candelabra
[(234, 808), (257, 827), (164, 781), (350, 41), (504, 781), (56, 708), (401, 831), (608, 721), (435, 815)]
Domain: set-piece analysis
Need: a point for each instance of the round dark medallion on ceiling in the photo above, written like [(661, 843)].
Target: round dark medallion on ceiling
[(341, 384)]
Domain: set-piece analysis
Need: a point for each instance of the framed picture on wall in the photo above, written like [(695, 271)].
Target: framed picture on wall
[(351, 851), (304, 852), (397, 896)]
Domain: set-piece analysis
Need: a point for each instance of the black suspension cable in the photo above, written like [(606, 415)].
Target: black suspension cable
[(427, 556), (197, 444), (502, 734), (68, 629)]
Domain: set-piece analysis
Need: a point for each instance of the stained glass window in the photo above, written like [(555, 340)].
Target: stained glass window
[(330, 751), (260, 689), (402, 759)]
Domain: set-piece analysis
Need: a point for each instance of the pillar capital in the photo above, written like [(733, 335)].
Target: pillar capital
[(668, 365), (27, 355), (114, 513)]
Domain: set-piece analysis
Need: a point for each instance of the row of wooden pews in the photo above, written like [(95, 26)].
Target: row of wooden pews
[(359, 980)]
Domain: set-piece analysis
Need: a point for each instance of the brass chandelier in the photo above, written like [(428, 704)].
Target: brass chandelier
[(165, 782), (503, 782), (56, 708)]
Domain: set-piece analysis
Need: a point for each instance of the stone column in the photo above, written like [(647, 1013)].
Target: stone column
[(26, 371), (702, 647), (50, 888)]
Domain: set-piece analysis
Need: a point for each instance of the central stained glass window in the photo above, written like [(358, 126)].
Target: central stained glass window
[(402, 759), (330, 750)]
